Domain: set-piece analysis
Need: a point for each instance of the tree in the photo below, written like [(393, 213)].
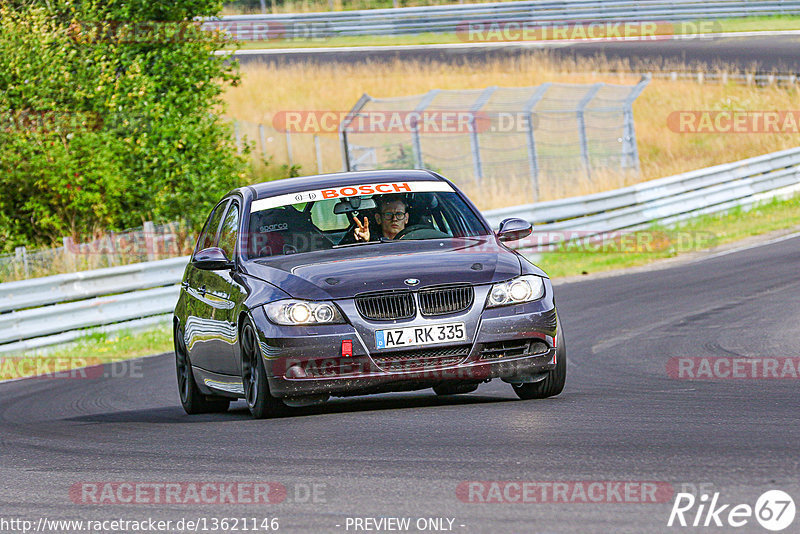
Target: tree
[(108, 117)]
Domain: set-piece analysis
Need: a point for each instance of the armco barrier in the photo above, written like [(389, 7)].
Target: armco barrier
[(54, 309), (86, 284), (452, 18), (667, 199)]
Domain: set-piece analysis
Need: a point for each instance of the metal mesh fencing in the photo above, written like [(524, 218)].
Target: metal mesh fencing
[(562, 134), (146, 243), (311, 152)]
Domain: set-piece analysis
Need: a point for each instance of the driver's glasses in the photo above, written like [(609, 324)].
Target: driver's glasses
[(396, 215)]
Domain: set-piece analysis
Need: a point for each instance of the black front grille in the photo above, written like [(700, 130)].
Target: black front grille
[(386, 306), (513, 348), (421, 359), (443, 300)]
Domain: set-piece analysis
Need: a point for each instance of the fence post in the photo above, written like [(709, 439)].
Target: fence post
[(416, 144), (473, 135), (629, 147), (343, 129), (149, 243), (112, 254), (237, 136), (533, 159), (21, 254), (477, 164), (318, 152), (345, 150), (289, 147), (580, 112), (416, 147), (69, 259), (262, 138)]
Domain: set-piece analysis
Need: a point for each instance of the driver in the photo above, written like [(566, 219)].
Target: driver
[(392, 216)]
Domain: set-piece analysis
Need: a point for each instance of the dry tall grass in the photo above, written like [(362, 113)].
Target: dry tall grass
[(312, 6), (266, 90)]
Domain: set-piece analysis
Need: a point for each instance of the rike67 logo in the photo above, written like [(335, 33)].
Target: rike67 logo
[(774, 510)]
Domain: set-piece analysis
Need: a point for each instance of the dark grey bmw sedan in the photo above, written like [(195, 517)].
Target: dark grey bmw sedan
[(358, 283)]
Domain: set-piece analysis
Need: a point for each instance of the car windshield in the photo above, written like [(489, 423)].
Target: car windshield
[(277, 228)]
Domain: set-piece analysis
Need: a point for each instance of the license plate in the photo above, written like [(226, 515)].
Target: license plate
[(414, 336)]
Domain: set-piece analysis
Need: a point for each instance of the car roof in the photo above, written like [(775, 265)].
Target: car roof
[(339, 179)]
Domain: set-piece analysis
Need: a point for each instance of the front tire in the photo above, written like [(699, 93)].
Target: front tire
[(254, 377), (553, 383), (192, 399)]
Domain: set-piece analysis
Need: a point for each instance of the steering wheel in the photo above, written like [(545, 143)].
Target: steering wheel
[(420, 231), (408, 230)]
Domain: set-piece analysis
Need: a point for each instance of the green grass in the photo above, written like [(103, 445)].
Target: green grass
[(92, 349), (695, 234), (776, 23), (708, 230)]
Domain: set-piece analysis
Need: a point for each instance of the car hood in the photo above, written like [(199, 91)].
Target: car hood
[(344, 272)]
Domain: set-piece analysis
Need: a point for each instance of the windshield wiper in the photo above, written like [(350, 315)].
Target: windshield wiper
[(357, 243)]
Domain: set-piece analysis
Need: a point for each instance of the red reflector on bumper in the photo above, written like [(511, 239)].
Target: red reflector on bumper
[(347, 348)]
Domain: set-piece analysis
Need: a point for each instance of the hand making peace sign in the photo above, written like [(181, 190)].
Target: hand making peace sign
[(361, 230)]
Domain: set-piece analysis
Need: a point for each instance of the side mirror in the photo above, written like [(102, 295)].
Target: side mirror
[(514, 229), (212, 259)]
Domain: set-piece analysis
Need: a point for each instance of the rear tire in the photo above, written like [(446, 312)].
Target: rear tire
[(454, 389), (553, 383), (254, 377), (192, 399)]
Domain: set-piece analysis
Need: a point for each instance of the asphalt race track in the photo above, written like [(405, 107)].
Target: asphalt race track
[(621, 418), (779, 53)]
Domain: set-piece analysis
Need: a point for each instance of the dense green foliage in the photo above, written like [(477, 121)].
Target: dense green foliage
[(106, 117)]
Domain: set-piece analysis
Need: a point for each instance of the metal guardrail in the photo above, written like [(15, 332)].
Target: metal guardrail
[(47, 320), (130, 296), (454, 18), (86, 284), (665, 200)]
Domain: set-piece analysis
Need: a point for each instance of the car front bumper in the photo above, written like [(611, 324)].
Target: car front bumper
[(515, 343)]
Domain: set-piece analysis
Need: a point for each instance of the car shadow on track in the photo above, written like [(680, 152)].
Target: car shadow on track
[(239, 411), (386, 402)]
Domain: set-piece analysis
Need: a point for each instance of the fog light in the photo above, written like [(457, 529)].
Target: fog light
[(295, 371)]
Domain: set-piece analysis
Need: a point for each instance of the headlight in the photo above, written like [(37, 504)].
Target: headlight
[(522, 289), (301, 312)]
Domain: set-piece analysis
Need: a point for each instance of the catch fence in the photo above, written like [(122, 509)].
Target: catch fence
[(551, 132)]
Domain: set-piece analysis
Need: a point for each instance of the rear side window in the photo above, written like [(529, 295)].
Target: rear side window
[(229, 231), (208, 236)]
